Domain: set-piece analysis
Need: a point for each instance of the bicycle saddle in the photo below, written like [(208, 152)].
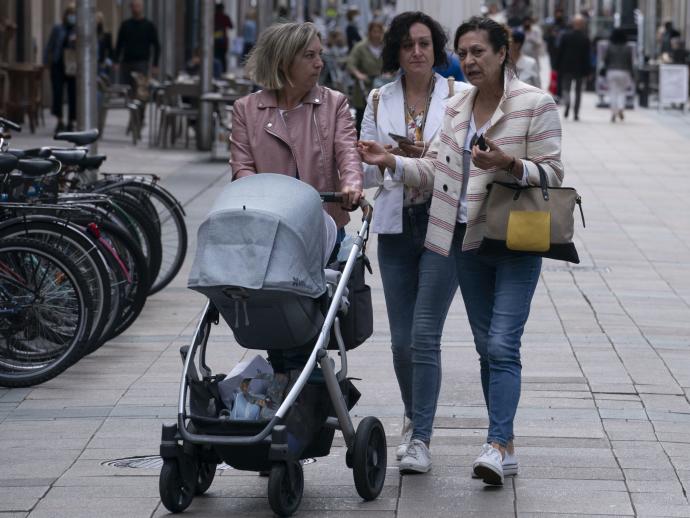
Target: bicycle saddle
[(69, 156), (33, 152), (79, 138), (8, 163), (35, 167), (92, 161)]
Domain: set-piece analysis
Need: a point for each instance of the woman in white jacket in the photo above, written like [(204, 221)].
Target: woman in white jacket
[(416, 291)]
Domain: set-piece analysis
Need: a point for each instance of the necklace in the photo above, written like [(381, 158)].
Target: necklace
[(411, 110)]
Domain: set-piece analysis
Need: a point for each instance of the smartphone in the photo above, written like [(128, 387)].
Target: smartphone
[(400, 139), (479, 141)]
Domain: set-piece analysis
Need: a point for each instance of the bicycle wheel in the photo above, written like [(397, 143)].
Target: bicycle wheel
[(133, 277), (171, 224), (81, 249), (139, 225), (44, 312)]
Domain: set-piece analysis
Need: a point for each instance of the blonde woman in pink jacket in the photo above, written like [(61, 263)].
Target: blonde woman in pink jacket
[(297, 128), (294, 126)]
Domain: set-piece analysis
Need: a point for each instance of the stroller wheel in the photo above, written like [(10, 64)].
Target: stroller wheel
[(369, 458), (176, 493), (285, 487), (207, 471)]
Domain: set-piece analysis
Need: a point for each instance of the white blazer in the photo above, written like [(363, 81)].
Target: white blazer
[(390, 118)]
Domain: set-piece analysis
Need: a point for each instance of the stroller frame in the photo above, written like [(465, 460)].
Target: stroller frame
[(366, 447)]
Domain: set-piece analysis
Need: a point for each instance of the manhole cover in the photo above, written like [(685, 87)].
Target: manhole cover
[(155, 462)]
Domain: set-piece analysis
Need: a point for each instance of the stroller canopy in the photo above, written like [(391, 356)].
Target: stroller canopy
[(265, 231)]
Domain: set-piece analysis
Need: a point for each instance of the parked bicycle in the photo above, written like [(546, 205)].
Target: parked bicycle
[(117, 239)]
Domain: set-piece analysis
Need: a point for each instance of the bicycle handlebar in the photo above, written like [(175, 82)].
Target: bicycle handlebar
[(9, 124)]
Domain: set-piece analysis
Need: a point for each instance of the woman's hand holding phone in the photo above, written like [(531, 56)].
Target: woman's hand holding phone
[(407, 147)]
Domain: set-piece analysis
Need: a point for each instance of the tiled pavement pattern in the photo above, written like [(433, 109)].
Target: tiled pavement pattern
[(603, 426)]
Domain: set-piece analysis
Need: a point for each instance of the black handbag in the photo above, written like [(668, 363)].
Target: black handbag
[(358, 324)]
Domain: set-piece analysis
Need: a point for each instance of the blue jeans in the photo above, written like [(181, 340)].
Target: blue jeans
[(419, 286), (497, 291)]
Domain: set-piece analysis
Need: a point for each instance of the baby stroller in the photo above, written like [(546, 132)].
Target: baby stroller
[(260, 261)]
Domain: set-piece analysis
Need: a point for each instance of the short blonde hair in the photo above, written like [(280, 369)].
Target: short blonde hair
[(277, 48)]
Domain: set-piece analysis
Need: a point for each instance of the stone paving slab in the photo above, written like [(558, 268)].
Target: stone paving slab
[(603, 427)]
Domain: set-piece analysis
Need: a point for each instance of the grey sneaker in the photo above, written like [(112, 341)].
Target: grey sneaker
[(510, 466), (489, 466), (417, 458), (405, 439)]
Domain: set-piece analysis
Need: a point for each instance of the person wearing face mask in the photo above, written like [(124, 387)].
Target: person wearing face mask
[(412, 106), (297, 128), (364, 64), (501, 130), (61, 56)]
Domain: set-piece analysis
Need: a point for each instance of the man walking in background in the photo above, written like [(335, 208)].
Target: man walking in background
[(221, 25), (135, 40), (574, 63)]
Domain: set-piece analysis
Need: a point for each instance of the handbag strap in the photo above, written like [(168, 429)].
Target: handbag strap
[(543, 182)]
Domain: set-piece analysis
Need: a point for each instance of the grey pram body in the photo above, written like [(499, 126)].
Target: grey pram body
[(260, 259)]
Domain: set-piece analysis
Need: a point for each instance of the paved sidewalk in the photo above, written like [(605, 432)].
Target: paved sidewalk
[(603, 426)]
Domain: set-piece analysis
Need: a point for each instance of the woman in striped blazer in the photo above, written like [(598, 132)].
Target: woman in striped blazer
[(521, 127)]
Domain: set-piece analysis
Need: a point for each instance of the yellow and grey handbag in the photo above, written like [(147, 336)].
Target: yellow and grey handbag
[(535, 220)]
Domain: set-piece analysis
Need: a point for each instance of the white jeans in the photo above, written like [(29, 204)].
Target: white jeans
[(618, 82)]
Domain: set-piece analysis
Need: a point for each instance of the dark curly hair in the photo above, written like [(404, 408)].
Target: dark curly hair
[(400, 29), (499, 35)]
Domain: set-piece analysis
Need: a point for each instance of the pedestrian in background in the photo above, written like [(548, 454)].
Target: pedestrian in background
[(497, 289), (574, 64), (533, 46), (248, 33), (105, 47), (221, 25), (351, 29), (297, 128), (61, 56), (136, 40), (526, 67), (418, 285), (496, 13), (618, 62), (334, 74), (364, 63)]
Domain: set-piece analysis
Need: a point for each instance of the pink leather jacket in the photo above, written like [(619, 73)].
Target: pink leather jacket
[(321, 152)]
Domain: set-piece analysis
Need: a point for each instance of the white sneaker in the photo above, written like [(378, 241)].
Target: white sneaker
[(510, 466), (489, 466), (405, 439), (417, 458)]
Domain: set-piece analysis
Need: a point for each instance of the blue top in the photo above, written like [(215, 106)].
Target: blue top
[(453, 68), (249, 31)]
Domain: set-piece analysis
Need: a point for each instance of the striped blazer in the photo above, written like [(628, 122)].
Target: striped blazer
[(525, 124)]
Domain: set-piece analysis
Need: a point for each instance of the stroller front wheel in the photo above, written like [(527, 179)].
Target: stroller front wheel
[(369, 458), (285, 487), (207, 472), (176, 493)]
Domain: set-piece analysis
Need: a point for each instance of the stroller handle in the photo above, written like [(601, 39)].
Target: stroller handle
[(335, 197)]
